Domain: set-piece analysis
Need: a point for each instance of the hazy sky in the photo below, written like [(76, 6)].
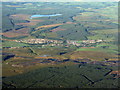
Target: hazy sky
[(60, 0)]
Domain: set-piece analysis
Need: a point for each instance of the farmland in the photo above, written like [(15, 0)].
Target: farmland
[(77, 49)]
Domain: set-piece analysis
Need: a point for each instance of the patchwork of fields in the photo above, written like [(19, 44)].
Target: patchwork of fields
[(78, 49)]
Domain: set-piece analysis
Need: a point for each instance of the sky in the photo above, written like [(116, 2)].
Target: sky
[(59, 0)]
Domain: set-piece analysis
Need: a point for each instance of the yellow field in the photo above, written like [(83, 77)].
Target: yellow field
[(47, 26)]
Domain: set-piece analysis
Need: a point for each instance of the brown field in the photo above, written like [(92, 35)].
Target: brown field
[(27, 24), (117, 73), (93, 55), (32, 22), (20, 16), (17, 33), (1, 33), (58, 29), (82, 18), (25, 17)]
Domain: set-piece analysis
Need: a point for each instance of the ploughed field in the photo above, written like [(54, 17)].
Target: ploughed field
[(60, 45)]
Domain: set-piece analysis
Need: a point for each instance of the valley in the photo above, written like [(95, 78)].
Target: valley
[(60, 45)]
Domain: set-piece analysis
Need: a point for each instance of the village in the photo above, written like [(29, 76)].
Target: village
[(67, 43), (39, 41), (60, 43), (83, 42)]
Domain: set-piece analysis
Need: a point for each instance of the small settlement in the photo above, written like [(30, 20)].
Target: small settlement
[(53, 43), (48, 42)]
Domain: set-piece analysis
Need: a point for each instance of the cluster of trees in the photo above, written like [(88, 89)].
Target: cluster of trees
[(75, 76)]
